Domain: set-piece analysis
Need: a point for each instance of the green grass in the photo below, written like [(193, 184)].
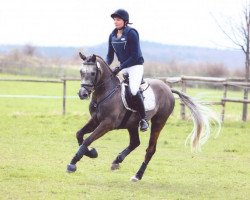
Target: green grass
[(37, 142)]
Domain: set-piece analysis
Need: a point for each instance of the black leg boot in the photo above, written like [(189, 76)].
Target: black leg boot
[(141, 109)]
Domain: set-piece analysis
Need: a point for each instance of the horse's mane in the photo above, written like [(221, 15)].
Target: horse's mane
[(104, 62)]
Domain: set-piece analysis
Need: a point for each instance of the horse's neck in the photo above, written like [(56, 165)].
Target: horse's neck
[(108, 81)]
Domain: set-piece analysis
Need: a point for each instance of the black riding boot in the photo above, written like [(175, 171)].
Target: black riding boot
[(141, 109)]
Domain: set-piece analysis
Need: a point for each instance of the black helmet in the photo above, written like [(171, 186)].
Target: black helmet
[(121, 13)]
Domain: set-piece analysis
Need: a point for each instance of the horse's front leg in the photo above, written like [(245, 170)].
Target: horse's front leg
[(134, 142), (102, 128), (88, 128)]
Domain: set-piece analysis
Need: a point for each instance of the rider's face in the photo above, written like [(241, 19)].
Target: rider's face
[(119, 23)]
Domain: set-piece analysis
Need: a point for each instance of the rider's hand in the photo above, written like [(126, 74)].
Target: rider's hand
[(116, 70)]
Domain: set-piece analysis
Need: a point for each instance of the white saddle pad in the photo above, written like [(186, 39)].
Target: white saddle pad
[(148, 94)]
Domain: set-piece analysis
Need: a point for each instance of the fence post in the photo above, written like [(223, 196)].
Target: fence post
[(64, 96), (224, 103), (244, 112), (183, 89)]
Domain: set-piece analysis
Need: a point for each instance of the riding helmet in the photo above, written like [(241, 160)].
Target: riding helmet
[(121, 13)]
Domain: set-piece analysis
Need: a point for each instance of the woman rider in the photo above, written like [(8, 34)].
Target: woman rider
[(124, 42)]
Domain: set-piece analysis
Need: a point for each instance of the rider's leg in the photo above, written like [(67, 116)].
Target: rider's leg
[(138, 98), (135, 77)]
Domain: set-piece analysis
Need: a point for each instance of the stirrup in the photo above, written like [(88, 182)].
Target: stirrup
[(143, 125)]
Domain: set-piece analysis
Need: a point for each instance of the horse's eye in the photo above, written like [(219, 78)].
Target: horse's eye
[(92, 73)]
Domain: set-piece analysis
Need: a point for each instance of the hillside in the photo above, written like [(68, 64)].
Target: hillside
[(165, 53), (153, 52)]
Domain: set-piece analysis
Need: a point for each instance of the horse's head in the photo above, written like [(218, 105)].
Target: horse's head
[(90, 75)]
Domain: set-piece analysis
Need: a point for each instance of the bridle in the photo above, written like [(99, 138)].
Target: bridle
[(95, 83)]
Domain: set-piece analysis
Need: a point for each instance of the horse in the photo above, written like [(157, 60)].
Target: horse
[(108, 111)]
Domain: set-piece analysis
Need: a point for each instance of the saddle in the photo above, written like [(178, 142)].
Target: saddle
[(145, 89)]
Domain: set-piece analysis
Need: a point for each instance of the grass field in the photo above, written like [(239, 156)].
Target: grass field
[(37, 142)]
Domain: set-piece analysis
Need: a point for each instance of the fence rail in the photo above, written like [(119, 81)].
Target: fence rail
[(235, 100), (224, 82), (183, 80), (31, 80)]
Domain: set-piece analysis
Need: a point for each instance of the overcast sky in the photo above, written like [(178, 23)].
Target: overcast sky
[(86, 23)]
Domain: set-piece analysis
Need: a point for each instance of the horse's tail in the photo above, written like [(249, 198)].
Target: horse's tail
[(202, 117)]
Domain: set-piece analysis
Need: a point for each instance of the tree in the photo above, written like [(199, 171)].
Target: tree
[(29, 50), (239, 34)]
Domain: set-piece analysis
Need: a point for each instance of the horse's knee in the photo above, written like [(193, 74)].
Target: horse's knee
[(137, 144), (134, 145), (79, 137), (78, 134)]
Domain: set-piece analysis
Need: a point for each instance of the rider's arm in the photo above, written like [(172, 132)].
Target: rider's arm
[(110, 55)]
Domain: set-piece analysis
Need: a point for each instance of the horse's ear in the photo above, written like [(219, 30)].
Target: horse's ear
[(83, 57), (93, 58)]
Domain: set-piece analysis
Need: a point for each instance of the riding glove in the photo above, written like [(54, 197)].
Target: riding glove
[(116, 70)]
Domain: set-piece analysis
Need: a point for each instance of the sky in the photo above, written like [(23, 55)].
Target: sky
[(82, 23)]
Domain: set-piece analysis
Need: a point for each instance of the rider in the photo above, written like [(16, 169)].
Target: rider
[(124, 42)]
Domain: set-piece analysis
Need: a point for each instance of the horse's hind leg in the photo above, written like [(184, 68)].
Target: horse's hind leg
[(134, 142), (156, 127)]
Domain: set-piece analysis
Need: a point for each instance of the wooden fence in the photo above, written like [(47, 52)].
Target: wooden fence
[(183, 81), (225, 82)]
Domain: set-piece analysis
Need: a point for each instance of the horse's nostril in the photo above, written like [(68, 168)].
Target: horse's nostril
[(85, 95)]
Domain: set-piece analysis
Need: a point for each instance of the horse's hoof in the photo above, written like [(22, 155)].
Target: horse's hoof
[(92, 153), (115, 166), (134, 179), (71, 168)]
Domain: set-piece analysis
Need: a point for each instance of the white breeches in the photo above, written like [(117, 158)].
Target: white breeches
[(135, 77)]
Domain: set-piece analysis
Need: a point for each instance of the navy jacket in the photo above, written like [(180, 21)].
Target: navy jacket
[(127, 48)]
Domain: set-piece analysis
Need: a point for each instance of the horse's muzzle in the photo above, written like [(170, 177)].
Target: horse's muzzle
[(83, 94)]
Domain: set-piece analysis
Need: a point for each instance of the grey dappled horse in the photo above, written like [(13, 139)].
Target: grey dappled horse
[(107, 112)]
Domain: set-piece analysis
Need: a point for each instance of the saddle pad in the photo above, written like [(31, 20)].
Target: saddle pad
[(148, 94)]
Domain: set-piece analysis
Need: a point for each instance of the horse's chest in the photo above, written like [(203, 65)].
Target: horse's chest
[(93, 107)]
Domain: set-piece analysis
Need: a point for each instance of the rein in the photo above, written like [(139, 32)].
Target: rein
[(95, 85), (102, 83), (96, 104)]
